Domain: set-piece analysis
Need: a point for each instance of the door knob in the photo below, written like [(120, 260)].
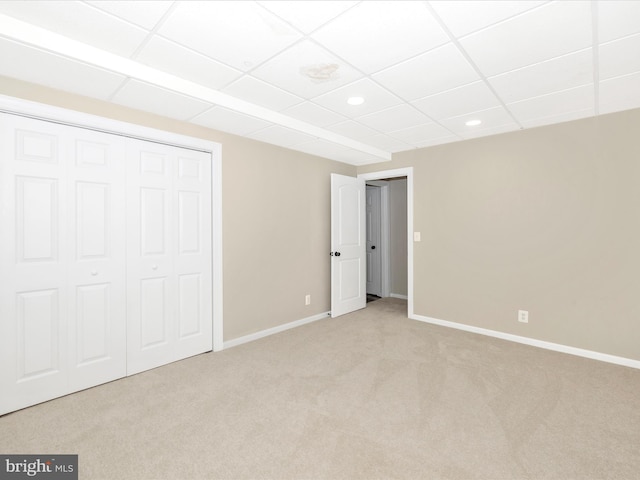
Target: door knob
[(373, 247), (155, 267), (94, 272), (337, 254)]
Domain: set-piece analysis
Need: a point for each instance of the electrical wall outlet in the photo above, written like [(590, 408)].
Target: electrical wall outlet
[(523, 316), (307, 299)]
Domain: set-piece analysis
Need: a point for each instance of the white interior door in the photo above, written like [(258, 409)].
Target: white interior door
[(374, 226), (348, 243), (61, 261), (169, 254)]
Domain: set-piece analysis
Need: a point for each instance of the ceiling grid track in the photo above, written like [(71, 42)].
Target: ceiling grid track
[(473, 65), (596, 57)]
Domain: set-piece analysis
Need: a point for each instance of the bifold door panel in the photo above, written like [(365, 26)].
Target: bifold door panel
[(169, 245), (91, 274)]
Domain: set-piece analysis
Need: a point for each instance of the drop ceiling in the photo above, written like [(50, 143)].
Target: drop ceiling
[(282, 71)]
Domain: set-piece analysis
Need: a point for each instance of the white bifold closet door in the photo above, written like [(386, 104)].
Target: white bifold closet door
[(169, 254), (105, 258), (62, 260)]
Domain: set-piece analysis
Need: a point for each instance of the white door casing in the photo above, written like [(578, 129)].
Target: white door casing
[(348, 244), (408, 173), (374, 240)]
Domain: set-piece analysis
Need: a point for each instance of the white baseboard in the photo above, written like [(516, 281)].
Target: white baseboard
[(397, 295), (271, 331), (603, 357)]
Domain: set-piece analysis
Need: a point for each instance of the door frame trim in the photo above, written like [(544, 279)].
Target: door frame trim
[(75, 118), (401, 172)]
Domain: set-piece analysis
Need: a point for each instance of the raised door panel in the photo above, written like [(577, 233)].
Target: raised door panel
[(154, 314), (190, 318), (93, 312), (38, 333), (37, 217)]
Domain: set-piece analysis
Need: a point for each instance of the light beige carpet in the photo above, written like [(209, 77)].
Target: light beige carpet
[(370, 395)]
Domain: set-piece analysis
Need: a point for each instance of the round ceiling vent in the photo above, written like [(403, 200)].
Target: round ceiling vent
[(325, 72)]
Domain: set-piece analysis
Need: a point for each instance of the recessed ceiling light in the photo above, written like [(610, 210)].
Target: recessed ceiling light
[(355, 100), (473, 123)]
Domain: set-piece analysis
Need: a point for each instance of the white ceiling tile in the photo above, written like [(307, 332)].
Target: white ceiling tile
[(433, 72), (225, 120), (463, 17), (620, 93), (491, 118), (79, 21), (313, 114), (536, 56), (145, 13), (35, 66), (172, 58), (560, 73), (437, 141), (282, 136), (352, 129), (387, 143), (546, 32), (376, 98), (305, 15), (239, 34), (468, 98), (355, 157), (620, 57), (421, 133), (554, 104), (617, 19), (486, 132), (387, 33), (564, 117), (149, 98), (261, 93), (394, 118), (291, 69)]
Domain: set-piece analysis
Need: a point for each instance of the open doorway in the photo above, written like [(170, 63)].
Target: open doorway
[(392, 258), (386, 230)]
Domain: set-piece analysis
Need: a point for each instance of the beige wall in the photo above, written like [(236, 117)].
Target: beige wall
[(398, 235), (545, 220), (276, 208), (276, 221)]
